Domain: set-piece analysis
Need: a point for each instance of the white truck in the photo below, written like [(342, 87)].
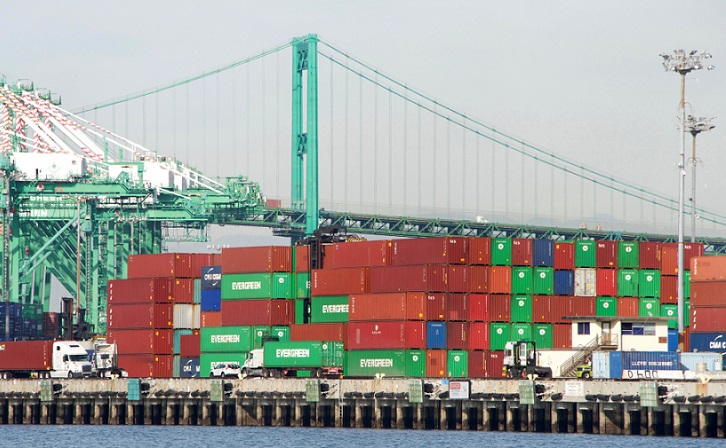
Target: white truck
[(104, 358), (44, 359)]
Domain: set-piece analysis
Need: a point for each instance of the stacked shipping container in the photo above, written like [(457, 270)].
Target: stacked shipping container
[(708, 304)]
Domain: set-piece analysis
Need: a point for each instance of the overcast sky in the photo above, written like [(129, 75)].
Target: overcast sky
[(580, 78)]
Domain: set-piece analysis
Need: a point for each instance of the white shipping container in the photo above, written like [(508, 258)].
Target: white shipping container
[(186, 316), (585, 279), (601, 365), (690, 361)]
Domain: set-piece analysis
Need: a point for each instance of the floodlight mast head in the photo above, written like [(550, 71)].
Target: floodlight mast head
[(696, 125), (684, 63)]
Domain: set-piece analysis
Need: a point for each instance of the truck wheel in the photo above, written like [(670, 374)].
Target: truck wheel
[(265, 373), (244, 373), (586, 375), (318, 373)]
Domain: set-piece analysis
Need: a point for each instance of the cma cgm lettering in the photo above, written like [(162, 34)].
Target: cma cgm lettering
[(212, 277), (335, 309), (240, 286), (385, 362), (225, 338), (292, 353)]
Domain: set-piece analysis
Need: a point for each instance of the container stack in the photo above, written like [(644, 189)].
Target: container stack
[(13, 312), (151, 310), (708, 304)]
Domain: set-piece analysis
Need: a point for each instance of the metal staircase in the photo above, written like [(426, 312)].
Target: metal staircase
[(599, 342)]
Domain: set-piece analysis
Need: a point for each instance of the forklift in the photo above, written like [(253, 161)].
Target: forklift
[(520, 361)]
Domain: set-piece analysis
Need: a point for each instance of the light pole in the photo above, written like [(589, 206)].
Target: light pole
[(682, 63), (695, 126)]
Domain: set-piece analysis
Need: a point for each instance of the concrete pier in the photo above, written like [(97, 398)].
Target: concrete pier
[(679, 409)]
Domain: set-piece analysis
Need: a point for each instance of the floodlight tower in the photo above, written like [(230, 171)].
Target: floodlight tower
[(696, 125)]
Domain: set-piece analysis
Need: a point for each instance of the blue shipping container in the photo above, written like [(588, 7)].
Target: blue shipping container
[(616, 365), (211, 300), (564, 283), (708, 342), (212, 277), (690, 361), (650, 361), (543, 253), (672, 340), (189, 367), (436, 335)]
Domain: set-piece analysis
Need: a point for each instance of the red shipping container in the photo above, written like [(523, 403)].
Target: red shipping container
[(216, 259), (198, 261), (478, 279), (139, 290), (708, 268), (370, 307), (160, 265), (143, 342), (522, 251), (606, 254), (183, 290), (319, 332), (499, 279), (478, 307), (26, 355), (478, 363), (436, 363), (417, 251), (707, 320), (386, 335), (258, 312), (243, 260), (500, 307), (478, 336), (691, 250), (210, 319), (457, 278), (564, 256), (561, 307), (480, 251), (302, 258), (457, 307), (583, 306), (687, 339), (340, 282), (457, 335), (416, 303), (669, 289), (562, 336), (650, 255), (541, 309), (708, 294), (190, 346), (428, 278), (147, 366), (495, 364), (357, 254), (606, 282), (436, 306), (628, 306), (140, 316), (669, 256)]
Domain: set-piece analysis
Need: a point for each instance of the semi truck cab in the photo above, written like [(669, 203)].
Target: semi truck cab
[(70, 360)]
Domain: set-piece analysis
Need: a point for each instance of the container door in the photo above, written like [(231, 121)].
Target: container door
[(606, 333)]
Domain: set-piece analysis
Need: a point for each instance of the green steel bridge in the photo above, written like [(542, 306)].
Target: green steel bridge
[(78, 198)]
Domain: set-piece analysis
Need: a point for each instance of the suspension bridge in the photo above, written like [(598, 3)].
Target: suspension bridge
[(322, 137)]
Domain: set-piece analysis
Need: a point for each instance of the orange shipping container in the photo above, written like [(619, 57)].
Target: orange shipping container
[(478, 336), (708, 268), (628, 306), (339, 282), (436, 363), (500, 279), (669, 289), (210, 318), (241, 260), (357, 254), (708, 294), (478, 279), (480, 251)]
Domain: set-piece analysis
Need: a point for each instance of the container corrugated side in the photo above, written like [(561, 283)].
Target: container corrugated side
[(585, 254), (152, 341), (225, 339), (186, 316), (628, 254), (242, 260), (340, 282), (329, 309), (606, 282), (712, 361), (522, 252), (649, 283), (628, 283), (601, 365), (501, 251), (650, 255), (258, 312), (211, 300), (436, 361), (293, 354), (564, 283), (428, 278), (607, 254), (415, 363), (190, 346), (561, 306), (139, 290), (708, 294), (457, 335), (319, 332), (478, 336), (457, 364), (521, 308), (669, 289), (437, 250), (182, 290), (562, 336), (585, 282), (369, 363), (708, 342), (371, 307), (708, 320), (480, 251), (357, 254), (436, 335), (171, 265), (140, 316), (522, 280), (500, 279), (457, 307), (147, 366), (650, 361), (564, 256), (26, 355), (262, 285), (543, 281), (543, 253)]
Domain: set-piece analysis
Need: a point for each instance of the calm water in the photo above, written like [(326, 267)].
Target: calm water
[(187, 437)]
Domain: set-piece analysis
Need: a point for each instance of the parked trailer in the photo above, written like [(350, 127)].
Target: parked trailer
[(44, 359), (284, 358)]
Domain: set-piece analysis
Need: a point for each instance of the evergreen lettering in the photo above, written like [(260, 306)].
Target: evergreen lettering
[(239, 286)]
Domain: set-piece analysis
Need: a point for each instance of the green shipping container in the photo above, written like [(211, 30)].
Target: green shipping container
[(669, 310), (521, 332), (521, 309), (329, 309), (629, 254), (628, 283), (649, 283), (521, 280), (368, 363), (457, 365), (281, 332), (542, 335), (416, 363), (606, 306), (499, 335), (278, 285), (293, 354), (225, 339), (176, 368), (302, 311), (31, 311), (501, 251), (259, 332), (585, 254), (332, 352), (687, 313), (544, 281), (302, 285), (687, 284), (208, 360), (649, 307)]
